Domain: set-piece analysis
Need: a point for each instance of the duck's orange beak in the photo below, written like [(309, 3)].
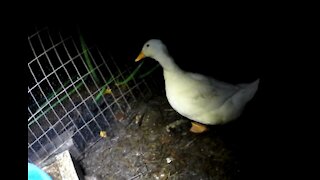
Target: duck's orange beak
[(141, 56)]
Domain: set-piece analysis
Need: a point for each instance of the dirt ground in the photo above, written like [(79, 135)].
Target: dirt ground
[(140, 147)]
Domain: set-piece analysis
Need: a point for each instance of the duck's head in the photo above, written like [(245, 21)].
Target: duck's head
[(152, 48)]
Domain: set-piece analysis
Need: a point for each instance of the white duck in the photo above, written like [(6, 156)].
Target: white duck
[(198, 97)]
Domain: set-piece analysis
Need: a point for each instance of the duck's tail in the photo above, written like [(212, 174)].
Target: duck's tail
[(246, 92)]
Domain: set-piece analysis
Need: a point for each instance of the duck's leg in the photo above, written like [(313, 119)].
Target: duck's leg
[(175, 124), (198, 128)]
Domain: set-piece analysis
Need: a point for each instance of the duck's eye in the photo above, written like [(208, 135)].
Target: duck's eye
[(147, 45)]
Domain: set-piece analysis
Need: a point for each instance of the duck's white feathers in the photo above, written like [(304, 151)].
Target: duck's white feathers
[(198, 97)]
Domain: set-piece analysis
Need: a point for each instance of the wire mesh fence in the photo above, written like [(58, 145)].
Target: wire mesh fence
[(74, 93)]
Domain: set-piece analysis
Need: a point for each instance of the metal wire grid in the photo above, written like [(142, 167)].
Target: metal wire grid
[(62, 91)]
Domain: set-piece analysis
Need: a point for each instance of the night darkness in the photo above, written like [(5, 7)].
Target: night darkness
[(233, 51)]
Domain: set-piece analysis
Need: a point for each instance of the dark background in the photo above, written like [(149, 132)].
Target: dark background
[(233, 51)]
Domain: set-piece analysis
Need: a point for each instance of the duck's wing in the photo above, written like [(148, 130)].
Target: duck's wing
[(214, 91)]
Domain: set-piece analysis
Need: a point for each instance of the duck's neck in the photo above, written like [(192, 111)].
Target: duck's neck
[(167, 63)]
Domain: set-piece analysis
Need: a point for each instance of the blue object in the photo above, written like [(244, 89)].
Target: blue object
[(35, 173)]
